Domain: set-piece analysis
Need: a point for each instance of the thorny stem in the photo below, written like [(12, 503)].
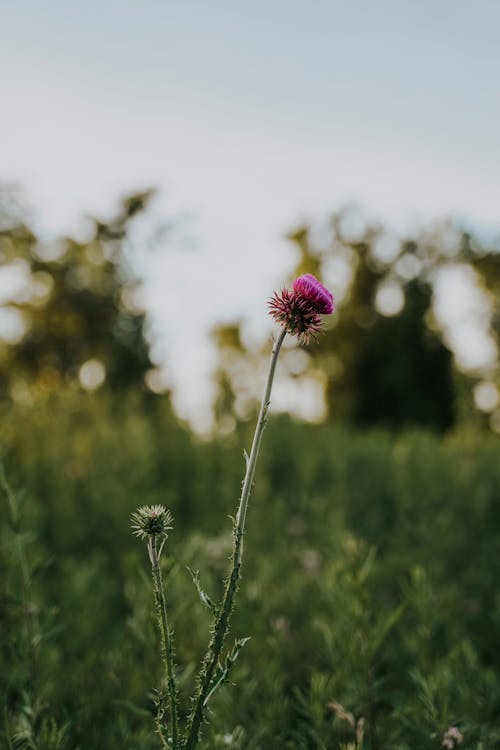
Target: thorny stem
[(221, 624), (167, 648)]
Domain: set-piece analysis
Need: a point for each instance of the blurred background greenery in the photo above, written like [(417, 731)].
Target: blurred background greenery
[(370, 584)]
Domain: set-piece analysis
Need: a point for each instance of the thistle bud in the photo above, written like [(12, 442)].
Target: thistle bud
[(151, 520)]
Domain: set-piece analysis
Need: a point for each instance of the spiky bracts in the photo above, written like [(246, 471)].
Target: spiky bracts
[(151, 520), (299, 310)]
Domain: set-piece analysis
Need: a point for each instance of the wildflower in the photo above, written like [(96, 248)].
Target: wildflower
[(452, 738), (300, 308), (151, 520)]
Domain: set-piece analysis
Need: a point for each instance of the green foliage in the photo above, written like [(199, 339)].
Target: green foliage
[(27, 627), (369, 585), (78, 304)]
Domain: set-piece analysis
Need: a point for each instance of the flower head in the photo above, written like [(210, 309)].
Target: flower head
[(300, 308), (151, 520), (308, 287)]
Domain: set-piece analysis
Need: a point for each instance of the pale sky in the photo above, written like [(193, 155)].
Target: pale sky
[(248, 117)]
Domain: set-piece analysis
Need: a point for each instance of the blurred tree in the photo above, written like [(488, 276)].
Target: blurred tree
[(72, 307), (384, 362), (387, 357)]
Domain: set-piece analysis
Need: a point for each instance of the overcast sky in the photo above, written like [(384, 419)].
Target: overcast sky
[(248, 117)]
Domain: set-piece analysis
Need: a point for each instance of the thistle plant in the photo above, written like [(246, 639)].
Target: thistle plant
[(298, 311), (152, 524)]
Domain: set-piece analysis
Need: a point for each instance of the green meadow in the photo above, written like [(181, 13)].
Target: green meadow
[(369, 587)]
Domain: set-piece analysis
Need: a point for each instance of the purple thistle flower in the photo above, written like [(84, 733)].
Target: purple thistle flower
[(313, 290), (299, 309)]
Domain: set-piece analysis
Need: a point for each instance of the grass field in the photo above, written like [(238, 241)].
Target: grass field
[(370, 581)]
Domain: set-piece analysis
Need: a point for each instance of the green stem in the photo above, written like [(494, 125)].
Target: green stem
[(221, 624), (167, 647)]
